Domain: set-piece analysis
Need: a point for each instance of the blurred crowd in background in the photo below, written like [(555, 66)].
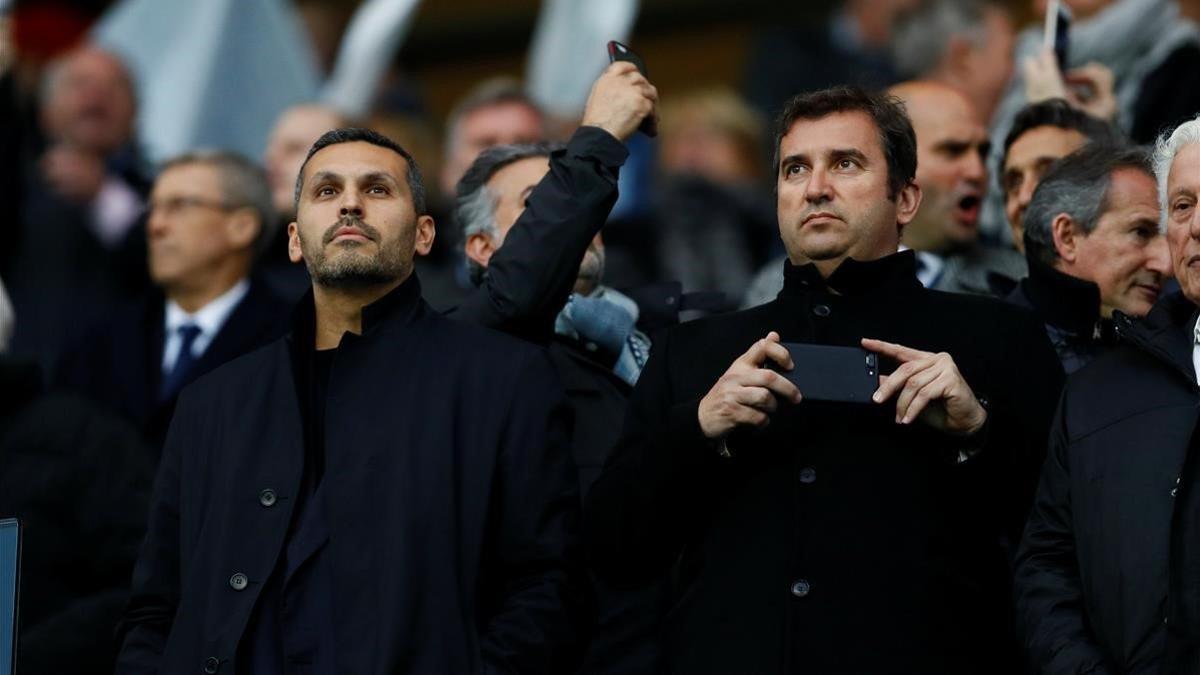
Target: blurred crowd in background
[(95, 96)]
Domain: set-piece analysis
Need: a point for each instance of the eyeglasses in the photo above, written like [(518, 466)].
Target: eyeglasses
[(172, 206)]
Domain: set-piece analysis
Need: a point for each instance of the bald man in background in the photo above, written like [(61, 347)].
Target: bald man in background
[(293, 134), (952, 146)]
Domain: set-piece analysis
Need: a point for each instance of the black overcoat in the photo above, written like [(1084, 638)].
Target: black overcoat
[(833, 541), (450, 494), (1092, 578)]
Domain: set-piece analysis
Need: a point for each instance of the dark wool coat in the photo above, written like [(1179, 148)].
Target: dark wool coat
[(1096, 583), (834, 541), (450, 497)]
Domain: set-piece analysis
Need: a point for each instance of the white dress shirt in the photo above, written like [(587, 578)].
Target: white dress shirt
[(208, 319), (1196, 351)]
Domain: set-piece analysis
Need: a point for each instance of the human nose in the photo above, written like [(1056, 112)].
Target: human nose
[(818, 188), (351, 204), (1159, 257)]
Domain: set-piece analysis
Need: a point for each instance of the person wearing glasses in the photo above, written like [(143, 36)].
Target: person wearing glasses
[(208, 217)]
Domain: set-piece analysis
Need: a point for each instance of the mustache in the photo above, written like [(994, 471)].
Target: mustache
[(350, 221)]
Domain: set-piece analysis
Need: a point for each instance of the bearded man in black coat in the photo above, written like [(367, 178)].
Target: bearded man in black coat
[(384, 491), (1107, 576), (809, 537)]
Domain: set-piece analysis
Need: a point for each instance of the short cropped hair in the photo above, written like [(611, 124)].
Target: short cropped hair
[(1056, 112), (921, 36), (475, 205), (355, 134), (243, 185), (896, 133), (494, 91), (1168, 146), (1077, 185)]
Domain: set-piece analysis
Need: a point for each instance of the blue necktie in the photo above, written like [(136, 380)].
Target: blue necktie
[(173, 381)]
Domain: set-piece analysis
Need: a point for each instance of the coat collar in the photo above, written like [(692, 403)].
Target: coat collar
[(1062, 300), (1165, 333), (853, 277), (398, 307)]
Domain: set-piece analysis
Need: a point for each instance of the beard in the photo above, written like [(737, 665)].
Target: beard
[(347, 267)]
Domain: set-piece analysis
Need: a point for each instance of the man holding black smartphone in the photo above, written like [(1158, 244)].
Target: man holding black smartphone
[(833, 536)]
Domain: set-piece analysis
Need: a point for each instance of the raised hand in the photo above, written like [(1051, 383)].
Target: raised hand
[(620, 99)]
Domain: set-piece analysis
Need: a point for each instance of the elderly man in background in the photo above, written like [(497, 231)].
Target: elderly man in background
[(1105, 577), (209, 218), (75, 251), (494, 112), (1094, 247), (1042, 133)]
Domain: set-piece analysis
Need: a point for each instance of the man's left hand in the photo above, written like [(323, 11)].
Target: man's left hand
[(930, 389)]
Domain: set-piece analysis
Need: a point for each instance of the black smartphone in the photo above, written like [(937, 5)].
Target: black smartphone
[(1058, 31), (619, 52), (841, 374)]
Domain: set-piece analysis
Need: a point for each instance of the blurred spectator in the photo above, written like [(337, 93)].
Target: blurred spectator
[(76, 250), (1040, 134), (210, 214), (1132, 61), (966, 44), (294, 133), (714, 222), (494, 112), (1094, 246), (849, 47), (78, 480), (952, 148), (1104, 577)]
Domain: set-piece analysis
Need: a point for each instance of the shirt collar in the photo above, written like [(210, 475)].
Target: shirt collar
[(399, 305), (210, 317), (897, 271)]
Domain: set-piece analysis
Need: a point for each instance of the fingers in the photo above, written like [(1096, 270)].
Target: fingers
[(935, 389), (895, 351), (913, 388), (889, 385), (774, 382), (767, 348), (757, 398)]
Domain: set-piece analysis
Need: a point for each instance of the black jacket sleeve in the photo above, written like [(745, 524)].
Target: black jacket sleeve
[(156, 576), (537, 593), (529, 278), (1049, 595), (643, 507)]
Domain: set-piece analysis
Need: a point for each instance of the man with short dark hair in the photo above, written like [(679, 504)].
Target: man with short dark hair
[(834, 537), (210, 217), (383, 491), (1042, 133), (1094, 247), (1105, 575)]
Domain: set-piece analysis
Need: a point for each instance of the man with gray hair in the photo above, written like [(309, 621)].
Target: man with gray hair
[(1106, 575), (966, 44), (210, 215), (530, 217), (1094, 247)]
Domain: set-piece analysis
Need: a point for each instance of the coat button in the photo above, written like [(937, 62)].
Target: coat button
[(822, 310), (1174, 491), (808, 475), (801, 588), (238, 582), (211, 665), (267, 498)]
